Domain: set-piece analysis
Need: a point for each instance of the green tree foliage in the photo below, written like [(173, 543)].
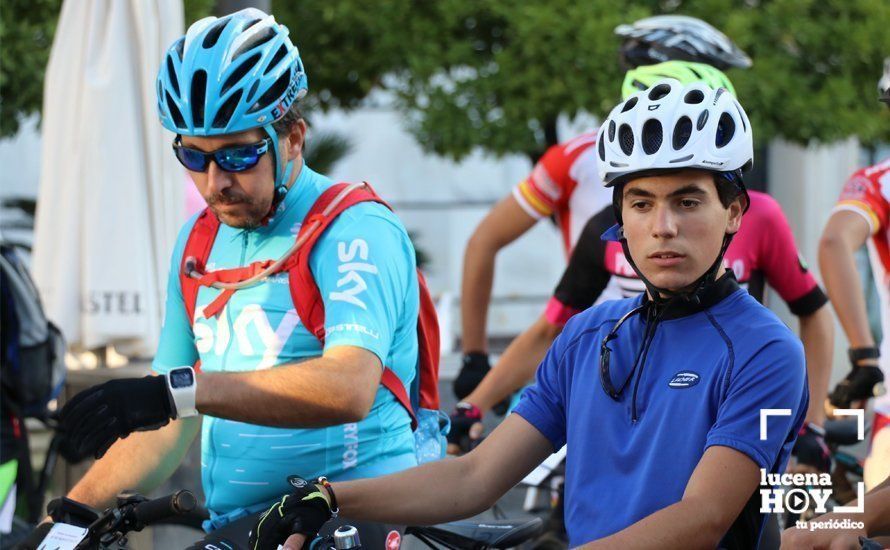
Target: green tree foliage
[(496, 74), (347, 46), (816, 67), (26, 36)]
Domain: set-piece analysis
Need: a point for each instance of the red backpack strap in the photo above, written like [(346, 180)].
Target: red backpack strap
[(305, 292), (197, 250), (428, 347)]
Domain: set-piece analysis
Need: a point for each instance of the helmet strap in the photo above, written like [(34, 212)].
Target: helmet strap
[(282, 177), (663, 296)]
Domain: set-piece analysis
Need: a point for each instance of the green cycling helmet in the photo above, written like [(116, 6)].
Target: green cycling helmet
[(686, 72)]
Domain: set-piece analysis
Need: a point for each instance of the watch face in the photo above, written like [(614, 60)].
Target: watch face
[(181, 378)]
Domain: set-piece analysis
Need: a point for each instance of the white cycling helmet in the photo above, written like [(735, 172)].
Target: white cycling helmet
[(669, 127), (678, 37)]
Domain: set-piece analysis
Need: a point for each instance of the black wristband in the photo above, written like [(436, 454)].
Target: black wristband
[(323, 481), (858, 354)]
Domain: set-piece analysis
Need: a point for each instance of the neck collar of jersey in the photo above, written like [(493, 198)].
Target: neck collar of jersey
[(711, 295)]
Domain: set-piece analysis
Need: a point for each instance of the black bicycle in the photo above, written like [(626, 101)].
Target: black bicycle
[(108, 530)]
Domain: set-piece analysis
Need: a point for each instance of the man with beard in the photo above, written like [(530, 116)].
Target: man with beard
[(237, 356)]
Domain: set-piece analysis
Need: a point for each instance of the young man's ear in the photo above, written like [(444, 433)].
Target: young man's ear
[(736, 210)]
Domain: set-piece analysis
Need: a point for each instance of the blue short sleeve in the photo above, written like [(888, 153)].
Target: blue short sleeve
[(543, 404), (774, 378), (363, 267), (176, 347)]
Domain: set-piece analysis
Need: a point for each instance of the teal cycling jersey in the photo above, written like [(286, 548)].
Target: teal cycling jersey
[(364, 266)]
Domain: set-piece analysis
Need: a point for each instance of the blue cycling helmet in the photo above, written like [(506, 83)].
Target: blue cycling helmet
[(229, 74)]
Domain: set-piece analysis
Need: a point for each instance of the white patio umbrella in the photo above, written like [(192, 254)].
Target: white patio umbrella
[(111, 194)]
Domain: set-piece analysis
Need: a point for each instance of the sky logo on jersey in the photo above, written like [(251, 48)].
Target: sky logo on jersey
[(352, 282), (684, 379)]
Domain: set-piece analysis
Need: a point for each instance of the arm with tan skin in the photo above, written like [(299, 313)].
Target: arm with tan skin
[(445, 490), (719, 488), (515, 368), (506, 222), (582, 282), (142, 461), (817, 335), (845, 233), (337, 388)]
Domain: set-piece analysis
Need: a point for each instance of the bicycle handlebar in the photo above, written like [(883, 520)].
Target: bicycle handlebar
[(155, 510)]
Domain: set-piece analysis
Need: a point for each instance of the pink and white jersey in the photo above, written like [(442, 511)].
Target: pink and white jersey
[(565, 184), (867, 193)]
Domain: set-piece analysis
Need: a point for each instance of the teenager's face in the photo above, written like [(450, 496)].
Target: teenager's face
[(675, 225)]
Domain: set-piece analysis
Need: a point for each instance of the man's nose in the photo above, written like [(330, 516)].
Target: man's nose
[(664, 224), (217, 178)]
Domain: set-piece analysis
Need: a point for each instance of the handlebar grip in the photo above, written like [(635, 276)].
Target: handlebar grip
[(153, 511)]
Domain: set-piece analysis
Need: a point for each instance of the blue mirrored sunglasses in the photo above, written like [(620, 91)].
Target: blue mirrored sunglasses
[(235, 158)]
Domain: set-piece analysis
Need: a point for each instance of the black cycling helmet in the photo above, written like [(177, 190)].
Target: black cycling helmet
[(884, 84), (678, 38)]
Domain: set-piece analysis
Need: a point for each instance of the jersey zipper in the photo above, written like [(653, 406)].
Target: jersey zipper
[(245, 238), (212, 460)]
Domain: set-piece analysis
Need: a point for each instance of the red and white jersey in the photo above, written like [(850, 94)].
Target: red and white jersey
[(565, 184), (867, 193)]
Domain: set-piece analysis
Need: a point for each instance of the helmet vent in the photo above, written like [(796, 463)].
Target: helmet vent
[(239, 72), (682, 131), (252, 23), (228, 108), (659, 92), (279, 55), (725, 130), (171, 72), (611, 130), (273, 94), (626, 139), (741, 117), (257, 41), (694, 97), (174, 112), (212, 36), (702, 120), (199, 90), (602, 149), (253, 89), (652, 136), (629, 104), (179, 47)]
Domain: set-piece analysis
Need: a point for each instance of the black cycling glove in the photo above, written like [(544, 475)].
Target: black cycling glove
[(463, 418), (97, 417), (859, 384), (303, 511), (473, 369), (810, 448)]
